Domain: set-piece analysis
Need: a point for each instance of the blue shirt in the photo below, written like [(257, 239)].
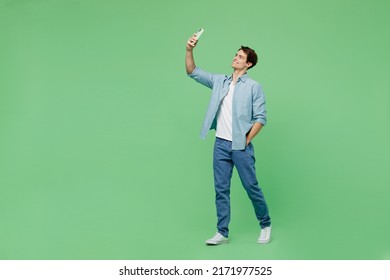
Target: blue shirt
[(248, 104)]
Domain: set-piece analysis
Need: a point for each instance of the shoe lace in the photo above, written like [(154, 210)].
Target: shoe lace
[(264, 232)]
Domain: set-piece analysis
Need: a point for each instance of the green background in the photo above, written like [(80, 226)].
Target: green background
[(100, 156)]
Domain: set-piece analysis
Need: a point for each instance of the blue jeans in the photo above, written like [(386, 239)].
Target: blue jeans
[(244, 160)]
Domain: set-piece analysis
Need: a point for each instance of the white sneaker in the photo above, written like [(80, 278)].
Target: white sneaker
[(265, 235), (217, 239)]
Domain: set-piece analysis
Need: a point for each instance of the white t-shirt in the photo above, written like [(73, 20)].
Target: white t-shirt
[(224, 116)]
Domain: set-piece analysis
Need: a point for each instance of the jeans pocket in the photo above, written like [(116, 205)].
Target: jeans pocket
[(249, 147)]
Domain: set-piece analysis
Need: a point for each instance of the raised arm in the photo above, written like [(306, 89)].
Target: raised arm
[(190, 63)]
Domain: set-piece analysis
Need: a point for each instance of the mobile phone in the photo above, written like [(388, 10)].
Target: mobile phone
[(199, 33)]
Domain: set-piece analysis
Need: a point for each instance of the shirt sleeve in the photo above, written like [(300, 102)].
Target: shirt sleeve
[(203, 77), (259, 110)]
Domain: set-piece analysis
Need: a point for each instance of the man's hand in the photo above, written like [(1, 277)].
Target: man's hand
[(190, 63), (253, 132), (191, 43)]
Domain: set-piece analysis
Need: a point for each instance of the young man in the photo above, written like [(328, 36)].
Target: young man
[(237, 112)]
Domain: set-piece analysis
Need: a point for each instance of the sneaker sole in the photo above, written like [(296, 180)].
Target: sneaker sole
[(216, 243)]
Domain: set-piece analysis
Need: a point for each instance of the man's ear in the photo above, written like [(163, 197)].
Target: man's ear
[(249, 64)]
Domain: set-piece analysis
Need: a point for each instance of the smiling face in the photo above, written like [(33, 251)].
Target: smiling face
[(240, 61)]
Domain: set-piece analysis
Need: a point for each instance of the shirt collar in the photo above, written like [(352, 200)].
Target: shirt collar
[(242, 78)]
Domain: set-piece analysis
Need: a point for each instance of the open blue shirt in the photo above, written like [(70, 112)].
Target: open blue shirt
[(248, 104)]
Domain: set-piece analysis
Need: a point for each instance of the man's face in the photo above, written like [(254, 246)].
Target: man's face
[(239, 61)]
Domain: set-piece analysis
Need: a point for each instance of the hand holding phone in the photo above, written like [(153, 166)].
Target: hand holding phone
[(194, 39)]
